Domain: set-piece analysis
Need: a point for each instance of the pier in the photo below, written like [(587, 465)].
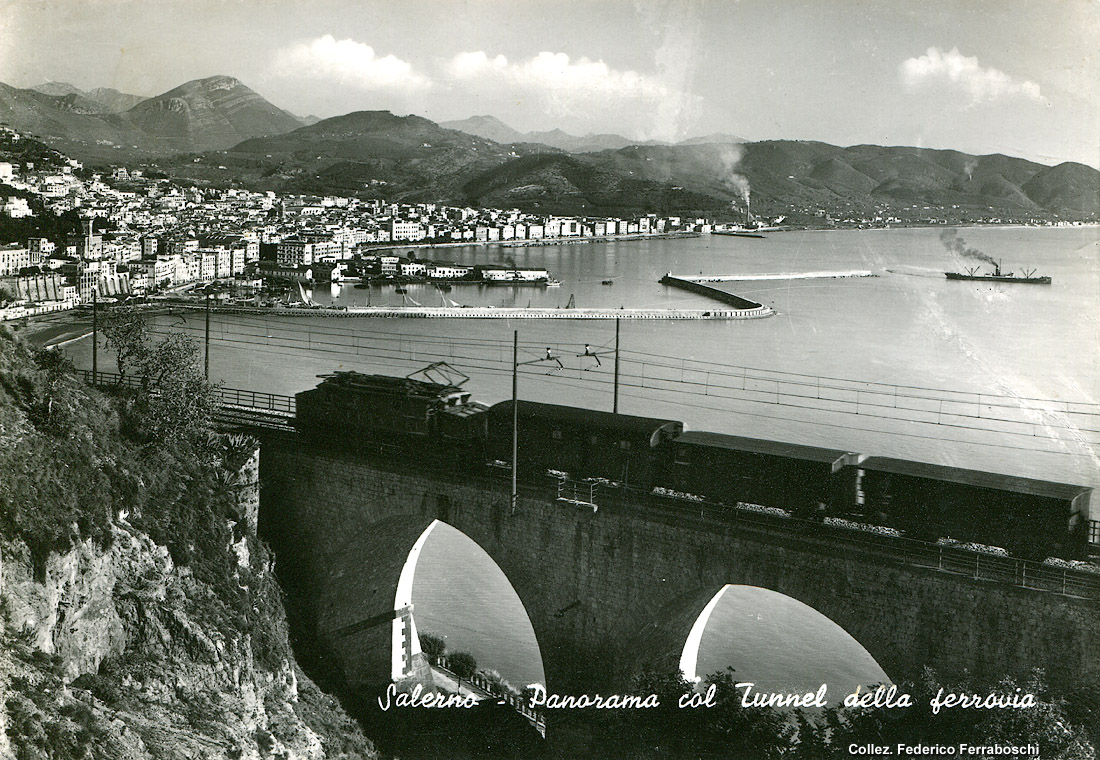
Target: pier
[(755, 277), (692, 286), (751, 311)]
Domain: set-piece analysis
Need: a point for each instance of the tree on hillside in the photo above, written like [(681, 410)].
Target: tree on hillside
[(126, 333), (175, 397)]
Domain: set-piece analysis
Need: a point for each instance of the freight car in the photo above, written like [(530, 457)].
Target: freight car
[(1034, 519), (1029, 518), (582, 442), (806, 480)]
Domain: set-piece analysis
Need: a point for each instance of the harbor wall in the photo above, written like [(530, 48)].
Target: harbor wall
[(706, 290)]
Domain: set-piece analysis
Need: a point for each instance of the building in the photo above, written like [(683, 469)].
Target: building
[(17, 208), (13, 258), (448, 271), (512, 274), (406, 231), (294, 253)]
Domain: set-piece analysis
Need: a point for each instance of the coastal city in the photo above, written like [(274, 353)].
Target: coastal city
[(141, 236), (137, 234)]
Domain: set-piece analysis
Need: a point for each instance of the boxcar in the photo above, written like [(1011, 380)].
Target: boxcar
[(581, 442), (730, 469), (1029, 518)]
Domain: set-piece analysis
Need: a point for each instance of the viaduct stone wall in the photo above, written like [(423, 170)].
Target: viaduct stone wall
[(610, 590)]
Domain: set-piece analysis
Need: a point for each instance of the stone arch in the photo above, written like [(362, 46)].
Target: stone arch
[(364, 612), (670, 641)]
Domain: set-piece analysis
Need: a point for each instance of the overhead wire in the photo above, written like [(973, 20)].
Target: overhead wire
[(403, 358)]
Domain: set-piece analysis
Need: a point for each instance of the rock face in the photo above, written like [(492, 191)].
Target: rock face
[(108, 652)]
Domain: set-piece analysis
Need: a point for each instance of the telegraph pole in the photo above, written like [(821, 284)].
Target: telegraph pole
[(615, 403), (95, 335), (515, 416), (206, 363)]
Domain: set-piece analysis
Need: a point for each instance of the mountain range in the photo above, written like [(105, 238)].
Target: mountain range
[(483, 161), (104, 124), (414, 159)]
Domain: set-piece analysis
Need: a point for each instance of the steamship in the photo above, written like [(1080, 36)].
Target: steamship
[(997, 276)]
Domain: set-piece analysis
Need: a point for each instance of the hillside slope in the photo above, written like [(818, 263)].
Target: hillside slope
[(140, 617)]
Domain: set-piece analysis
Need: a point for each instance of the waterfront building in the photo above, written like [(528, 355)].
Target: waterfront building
[(512, 274), (406, 230), (448, 271)]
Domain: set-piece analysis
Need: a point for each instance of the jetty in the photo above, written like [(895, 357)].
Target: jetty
[(756, 277), (693, 286), (755, 311)]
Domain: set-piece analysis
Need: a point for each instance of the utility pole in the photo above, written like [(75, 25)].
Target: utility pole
[(615, 403), (95, 335), (515, 417), (206, 363)]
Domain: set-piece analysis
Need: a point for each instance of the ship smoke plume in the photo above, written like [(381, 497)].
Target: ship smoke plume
[(952, 242)]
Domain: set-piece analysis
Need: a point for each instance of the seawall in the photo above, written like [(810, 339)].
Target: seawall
[(718, 295)]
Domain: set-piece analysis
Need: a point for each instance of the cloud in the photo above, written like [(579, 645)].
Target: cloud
[(563, 85), (349, 63), (966, 74)]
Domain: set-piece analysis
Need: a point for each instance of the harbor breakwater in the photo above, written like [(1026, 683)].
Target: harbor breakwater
[(791, 276), (690, 285), (755, 311)]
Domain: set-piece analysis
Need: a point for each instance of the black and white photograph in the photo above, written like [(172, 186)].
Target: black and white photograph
[(549, 379)]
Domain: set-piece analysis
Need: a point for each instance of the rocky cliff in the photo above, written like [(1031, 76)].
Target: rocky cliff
[(139, 615)]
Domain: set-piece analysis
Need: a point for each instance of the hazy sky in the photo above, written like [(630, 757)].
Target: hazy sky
[(1020, 77)]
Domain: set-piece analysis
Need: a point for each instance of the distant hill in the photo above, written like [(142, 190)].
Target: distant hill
[(716, 137), (105, 124), (492, 128), (208, 114), (36, 113), (100, 100), (112, 100), (783, 172), (489, 127), (411, 158), (57, 88), (402, 156)]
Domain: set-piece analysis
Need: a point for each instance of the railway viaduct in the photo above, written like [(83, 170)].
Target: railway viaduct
[(610, 590)]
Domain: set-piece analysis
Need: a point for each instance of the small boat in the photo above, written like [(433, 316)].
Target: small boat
[(608, 282)]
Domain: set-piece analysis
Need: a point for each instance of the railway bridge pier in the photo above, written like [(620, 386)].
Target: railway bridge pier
[(612, 589)]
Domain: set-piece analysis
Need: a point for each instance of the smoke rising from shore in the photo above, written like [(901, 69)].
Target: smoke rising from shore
[(952, 242), (730, 157)]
